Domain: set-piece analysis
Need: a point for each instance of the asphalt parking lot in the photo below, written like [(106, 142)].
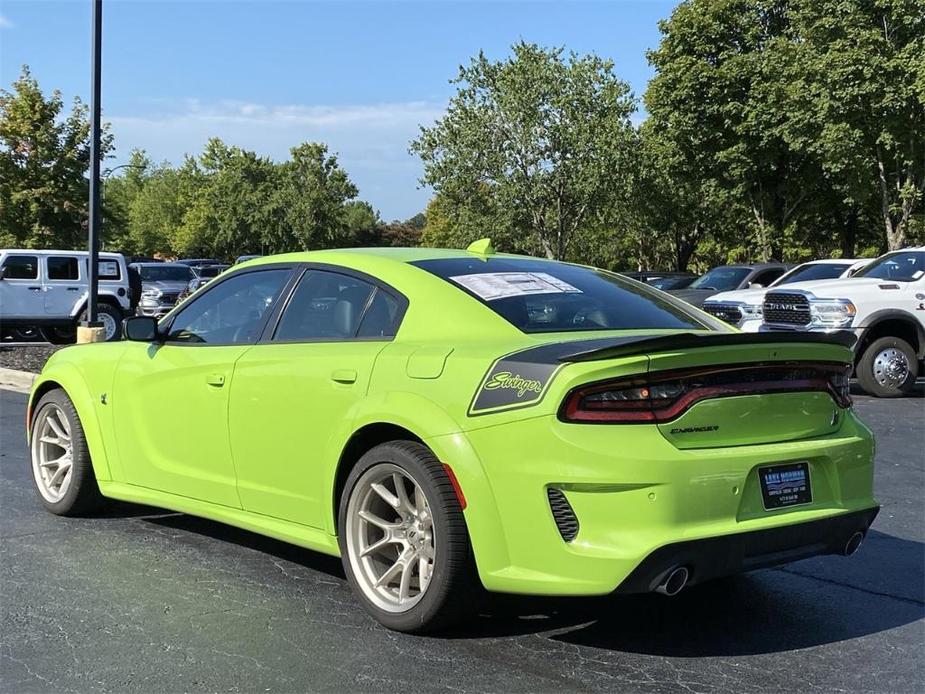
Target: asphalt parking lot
[(144, 600)]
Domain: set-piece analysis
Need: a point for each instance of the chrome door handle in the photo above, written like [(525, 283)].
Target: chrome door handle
[(344, 376), (217, 380)]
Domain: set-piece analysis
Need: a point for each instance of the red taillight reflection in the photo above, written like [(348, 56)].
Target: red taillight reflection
[(666, 395)]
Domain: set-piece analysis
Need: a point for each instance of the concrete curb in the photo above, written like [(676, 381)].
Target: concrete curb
[(20, 381)]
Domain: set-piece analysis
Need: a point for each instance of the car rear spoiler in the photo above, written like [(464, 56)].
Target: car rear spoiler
[(610, 348)]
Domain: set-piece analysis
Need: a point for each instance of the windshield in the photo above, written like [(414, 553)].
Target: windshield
[(813, 271), (540, 296), (166, 273), (666, 283), (722, 279), (209, 270), (904, 266)]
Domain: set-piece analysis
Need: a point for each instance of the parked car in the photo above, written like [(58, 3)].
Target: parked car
[(742, 308), (48, 290), (209, 271), (161, 284), (882, 307), (662, 280), (727, 278), (244, 258), (445, 420), (198, 262)]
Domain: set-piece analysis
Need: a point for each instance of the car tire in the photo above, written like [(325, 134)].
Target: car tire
[(62, 439), (110, 317), (450, 583), (60, 335), (888, 368)]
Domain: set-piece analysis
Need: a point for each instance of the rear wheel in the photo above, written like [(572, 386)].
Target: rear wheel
[(64, 335), (111, 319), (403, 539), (888, 368), (61, 467)]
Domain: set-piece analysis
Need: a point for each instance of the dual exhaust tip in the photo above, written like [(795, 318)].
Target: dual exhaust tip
[(674, 581)]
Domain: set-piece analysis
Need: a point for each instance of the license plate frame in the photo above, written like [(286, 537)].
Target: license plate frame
[(785, 485)]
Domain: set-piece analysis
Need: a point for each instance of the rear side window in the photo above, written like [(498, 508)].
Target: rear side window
[(106, 269), (21, 267), (63, 268), (381, 317), (325, 306), (540, 296)]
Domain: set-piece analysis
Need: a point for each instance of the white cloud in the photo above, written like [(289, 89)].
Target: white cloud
[(5, 23), (371, 141)]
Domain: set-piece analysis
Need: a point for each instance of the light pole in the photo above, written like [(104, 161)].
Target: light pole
[(91, 330)]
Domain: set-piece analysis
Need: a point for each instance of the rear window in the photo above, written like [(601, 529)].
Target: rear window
[(543, 297)]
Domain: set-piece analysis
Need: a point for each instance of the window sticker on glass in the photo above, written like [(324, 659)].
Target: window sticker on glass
[(489, 286), (108, 268)]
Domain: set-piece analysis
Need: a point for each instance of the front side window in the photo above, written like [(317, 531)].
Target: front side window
[(768, 276), (332, 306), (230, 313), (540, 296), (21, 267), (904, 266), (63, 268)]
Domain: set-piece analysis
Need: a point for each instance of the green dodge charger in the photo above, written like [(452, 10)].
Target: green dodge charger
[(450, 420)]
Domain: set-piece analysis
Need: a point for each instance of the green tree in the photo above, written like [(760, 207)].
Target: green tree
[(717, 87), (44, 155), (537, 143), (854, 95), (118, 194)]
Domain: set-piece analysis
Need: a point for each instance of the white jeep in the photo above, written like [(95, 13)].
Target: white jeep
[(48, 290), (883, 305), (742, 307)]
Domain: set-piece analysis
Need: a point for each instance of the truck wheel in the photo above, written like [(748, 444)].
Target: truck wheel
[(61, 467), (403, 539), (888, 368), (110, 317)]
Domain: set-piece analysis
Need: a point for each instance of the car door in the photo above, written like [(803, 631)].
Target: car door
[(62, 284), (294, 391), (170, 398), (21, 287)]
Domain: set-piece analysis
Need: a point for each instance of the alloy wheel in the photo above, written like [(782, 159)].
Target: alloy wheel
[(52, 453), (390, 538), (891, 367)]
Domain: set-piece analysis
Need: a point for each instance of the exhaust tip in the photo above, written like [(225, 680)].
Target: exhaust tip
[(853, 543), (674, 581)]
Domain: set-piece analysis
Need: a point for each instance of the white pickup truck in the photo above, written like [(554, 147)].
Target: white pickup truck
[(47, 291), (883, 305), (742, 307)]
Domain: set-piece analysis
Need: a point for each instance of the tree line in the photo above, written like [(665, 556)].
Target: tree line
[(784, 129)]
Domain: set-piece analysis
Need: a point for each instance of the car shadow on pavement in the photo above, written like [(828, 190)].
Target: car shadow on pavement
[(814, 602)]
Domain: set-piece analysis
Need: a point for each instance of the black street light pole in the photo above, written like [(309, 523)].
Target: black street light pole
[(94, 242)]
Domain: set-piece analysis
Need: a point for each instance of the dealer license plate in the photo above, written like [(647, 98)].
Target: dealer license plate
[(785, 485)]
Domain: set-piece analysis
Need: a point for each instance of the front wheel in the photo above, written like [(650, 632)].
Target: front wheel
[(888, 368), (403, 539)]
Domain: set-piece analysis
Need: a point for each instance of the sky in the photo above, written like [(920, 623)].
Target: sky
[(266, 76)]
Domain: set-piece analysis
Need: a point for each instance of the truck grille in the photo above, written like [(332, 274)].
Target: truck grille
[(169, 298), (725, 312), (787, 309)]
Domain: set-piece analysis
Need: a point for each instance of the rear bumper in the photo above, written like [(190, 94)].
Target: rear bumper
[(726, 555), (641, 503)]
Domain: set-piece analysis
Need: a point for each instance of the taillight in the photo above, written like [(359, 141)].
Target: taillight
[(666, 395)]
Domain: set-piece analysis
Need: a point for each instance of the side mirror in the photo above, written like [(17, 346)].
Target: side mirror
[(3, 273), (755, 285), (140, 329)]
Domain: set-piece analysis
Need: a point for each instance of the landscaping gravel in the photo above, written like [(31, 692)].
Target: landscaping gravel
[(26, 357)]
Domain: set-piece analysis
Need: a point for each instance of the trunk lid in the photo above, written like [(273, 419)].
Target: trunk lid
[(733, 389)]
